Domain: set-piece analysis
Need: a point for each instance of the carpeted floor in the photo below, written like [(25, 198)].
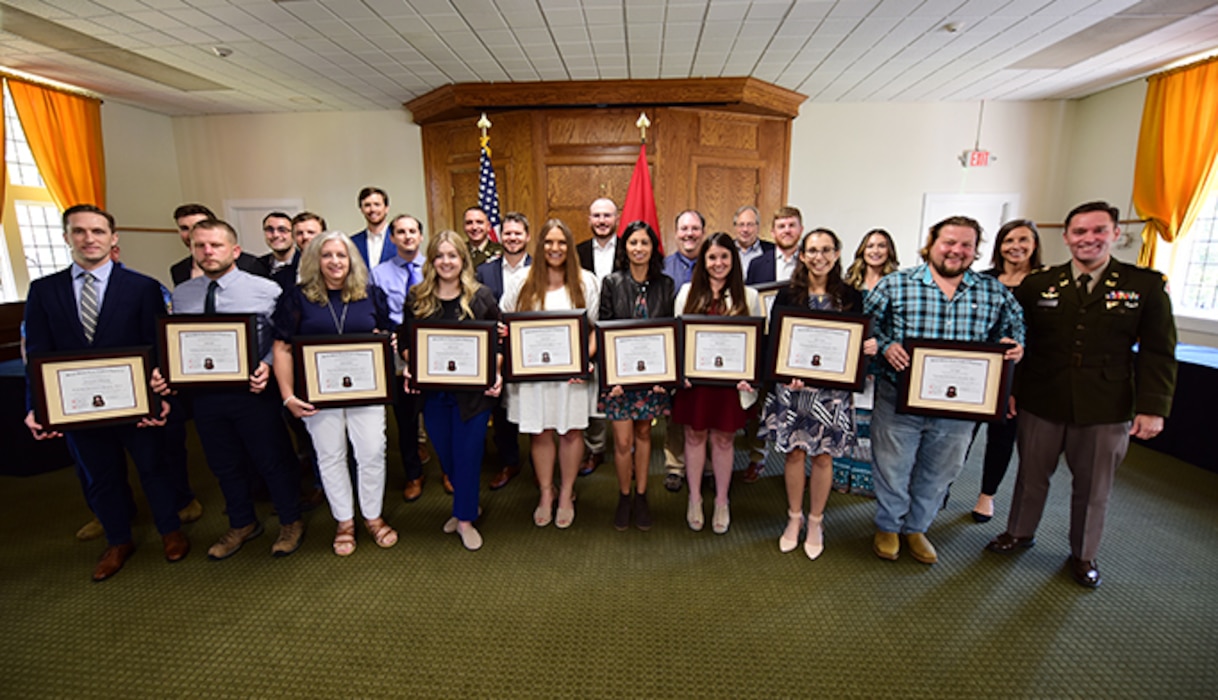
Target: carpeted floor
[(591, 612)]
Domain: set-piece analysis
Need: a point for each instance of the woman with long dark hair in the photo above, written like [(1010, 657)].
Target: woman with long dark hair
[(1016, 254), (875, 257), (455, 420), (638, 289), (807, 421), (555, 409), (716, 288)]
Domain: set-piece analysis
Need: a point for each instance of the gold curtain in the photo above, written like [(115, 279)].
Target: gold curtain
[(1176, 152), (64, 131), (3, 154)]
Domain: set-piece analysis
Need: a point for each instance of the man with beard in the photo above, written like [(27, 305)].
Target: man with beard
[(277, 227), (917, 457), (497, 274), (778, 266)]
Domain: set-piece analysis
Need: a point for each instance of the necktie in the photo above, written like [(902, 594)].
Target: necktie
[(209, 304), (88, 306), (413, 267), (1084, 284)]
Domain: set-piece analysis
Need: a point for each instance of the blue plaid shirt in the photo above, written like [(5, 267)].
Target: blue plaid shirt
[(908, 304)]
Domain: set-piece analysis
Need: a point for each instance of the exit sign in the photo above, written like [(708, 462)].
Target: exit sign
[(976, 159)]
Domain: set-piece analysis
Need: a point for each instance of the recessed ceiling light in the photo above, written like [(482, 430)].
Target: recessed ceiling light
[(222, 51)]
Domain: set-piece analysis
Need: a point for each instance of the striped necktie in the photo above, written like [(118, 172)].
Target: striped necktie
[(89, 307)]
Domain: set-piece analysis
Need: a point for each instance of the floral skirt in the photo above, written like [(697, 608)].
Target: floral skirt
[(634, 404)]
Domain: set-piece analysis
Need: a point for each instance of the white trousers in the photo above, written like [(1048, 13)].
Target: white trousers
[(330, 429)]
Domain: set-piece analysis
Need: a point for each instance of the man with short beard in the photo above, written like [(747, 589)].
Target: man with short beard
[(185, 217), (787, 228), (277, 227), (917, 457)]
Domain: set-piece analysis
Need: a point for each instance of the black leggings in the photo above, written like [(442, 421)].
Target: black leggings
[(999, 446)]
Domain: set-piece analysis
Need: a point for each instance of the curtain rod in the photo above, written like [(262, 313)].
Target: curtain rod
[(15, 74)]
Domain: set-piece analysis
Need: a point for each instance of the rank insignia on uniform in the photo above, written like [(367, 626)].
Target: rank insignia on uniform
[(1112, 304), (1109, 283), (1050, 293)]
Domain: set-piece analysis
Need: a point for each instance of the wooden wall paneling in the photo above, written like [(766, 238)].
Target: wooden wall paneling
[(513, 151), (721, 188), (672, 178), (775, 143)]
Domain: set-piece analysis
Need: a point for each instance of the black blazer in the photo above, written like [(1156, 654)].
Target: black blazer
[(127, 316), (619, 290), (180, 272), (490, 274), (584, 250), (763, 269)]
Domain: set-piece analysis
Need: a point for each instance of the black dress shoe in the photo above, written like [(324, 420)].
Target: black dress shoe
[(1085, 573), (1007, 543), (981, 517)]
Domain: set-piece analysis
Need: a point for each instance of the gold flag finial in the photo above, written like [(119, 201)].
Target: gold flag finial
[(643, 123), (484, 124)]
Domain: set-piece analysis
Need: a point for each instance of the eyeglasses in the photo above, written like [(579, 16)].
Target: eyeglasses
[(811, 252)]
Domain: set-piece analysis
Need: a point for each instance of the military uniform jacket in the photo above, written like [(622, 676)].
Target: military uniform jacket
[(1079, 366)]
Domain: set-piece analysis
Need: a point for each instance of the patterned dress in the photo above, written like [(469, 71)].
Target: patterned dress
[(635, 404), (818, 421)]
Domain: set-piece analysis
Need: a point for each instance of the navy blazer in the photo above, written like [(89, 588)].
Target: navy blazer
[(762, 269), (490, 274), (127, 317), (361, 244)]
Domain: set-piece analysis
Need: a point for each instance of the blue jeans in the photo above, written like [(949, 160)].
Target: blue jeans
[(916, 458), (459, 445)]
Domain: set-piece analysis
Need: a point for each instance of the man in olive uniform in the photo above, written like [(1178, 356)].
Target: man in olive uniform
[(1081, 389)]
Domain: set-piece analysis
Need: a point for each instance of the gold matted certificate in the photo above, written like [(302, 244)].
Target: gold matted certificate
[(968, 381), (766, 294), (639, 354), (821, 348), (453, 355), (546, 345), (208, 349), (77, 390), (343, 370), (721, 350)]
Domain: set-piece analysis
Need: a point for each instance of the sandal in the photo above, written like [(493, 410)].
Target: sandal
[(565, 516), (344, 538), (382, 534), (543, 515)]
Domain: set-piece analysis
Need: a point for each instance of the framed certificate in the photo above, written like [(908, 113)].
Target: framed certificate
[(639, 354), (823, 349), (453, 356), (343, 370), (969, 381), (721, 350), (73, 391), (765, 295), (545, 345), (208, 349)]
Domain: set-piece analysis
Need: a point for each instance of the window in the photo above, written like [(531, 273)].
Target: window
[(1193, 265), (31, 225)]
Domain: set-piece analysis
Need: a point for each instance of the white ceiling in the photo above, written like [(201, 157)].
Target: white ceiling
[(309, 55)]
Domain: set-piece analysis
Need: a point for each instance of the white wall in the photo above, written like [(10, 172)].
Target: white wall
[(857, 166), (324, 158)]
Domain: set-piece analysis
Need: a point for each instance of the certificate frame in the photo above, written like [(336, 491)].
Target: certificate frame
[(765, 298), (173, 333), (783, 328), (309, 351), (51, 372), (991, 396), (516, 362), (421, 376), (609, 332), (695, 328)]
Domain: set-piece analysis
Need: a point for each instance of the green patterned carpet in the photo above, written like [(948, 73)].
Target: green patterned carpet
[(591, 612)]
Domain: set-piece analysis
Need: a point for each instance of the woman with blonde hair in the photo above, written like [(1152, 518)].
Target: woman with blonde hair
[(554, 409), (334, 297), (456, 420)]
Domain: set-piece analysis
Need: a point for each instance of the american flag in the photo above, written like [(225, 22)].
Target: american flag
[(488, 193)]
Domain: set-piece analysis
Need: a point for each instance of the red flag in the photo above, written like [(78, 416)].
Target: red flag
[(640, 202)]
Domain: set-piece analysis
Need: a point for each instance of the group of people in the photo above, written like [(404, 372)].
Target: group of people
[(1080, 388)]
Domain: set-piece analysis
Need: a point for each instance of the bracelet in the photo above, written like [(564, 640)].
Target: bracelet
[(285, 401)]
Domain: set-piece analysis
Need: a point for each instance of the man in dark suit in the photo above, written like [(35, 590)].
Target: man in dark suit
[(95, 305), (497, 274), (186, 216), (372, 243), (747, 224), (277, 227), (1081, 389), (597, 255), (787, 228)]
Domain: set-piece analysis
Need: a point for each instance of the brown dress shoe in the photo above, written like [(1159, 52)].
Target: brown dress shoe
[(504, 476), (1007, 543), (414, 489), (448, 486), (176, 546), (1085, 573), (112, 560), (753, 473)]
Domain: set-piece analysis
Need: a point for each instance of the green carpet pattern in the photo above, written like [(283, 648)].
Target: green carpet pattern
[(594, 613)]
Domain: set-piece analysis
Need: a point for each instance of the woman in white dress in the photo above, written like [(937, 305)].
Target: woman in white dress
[(546, 410)]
